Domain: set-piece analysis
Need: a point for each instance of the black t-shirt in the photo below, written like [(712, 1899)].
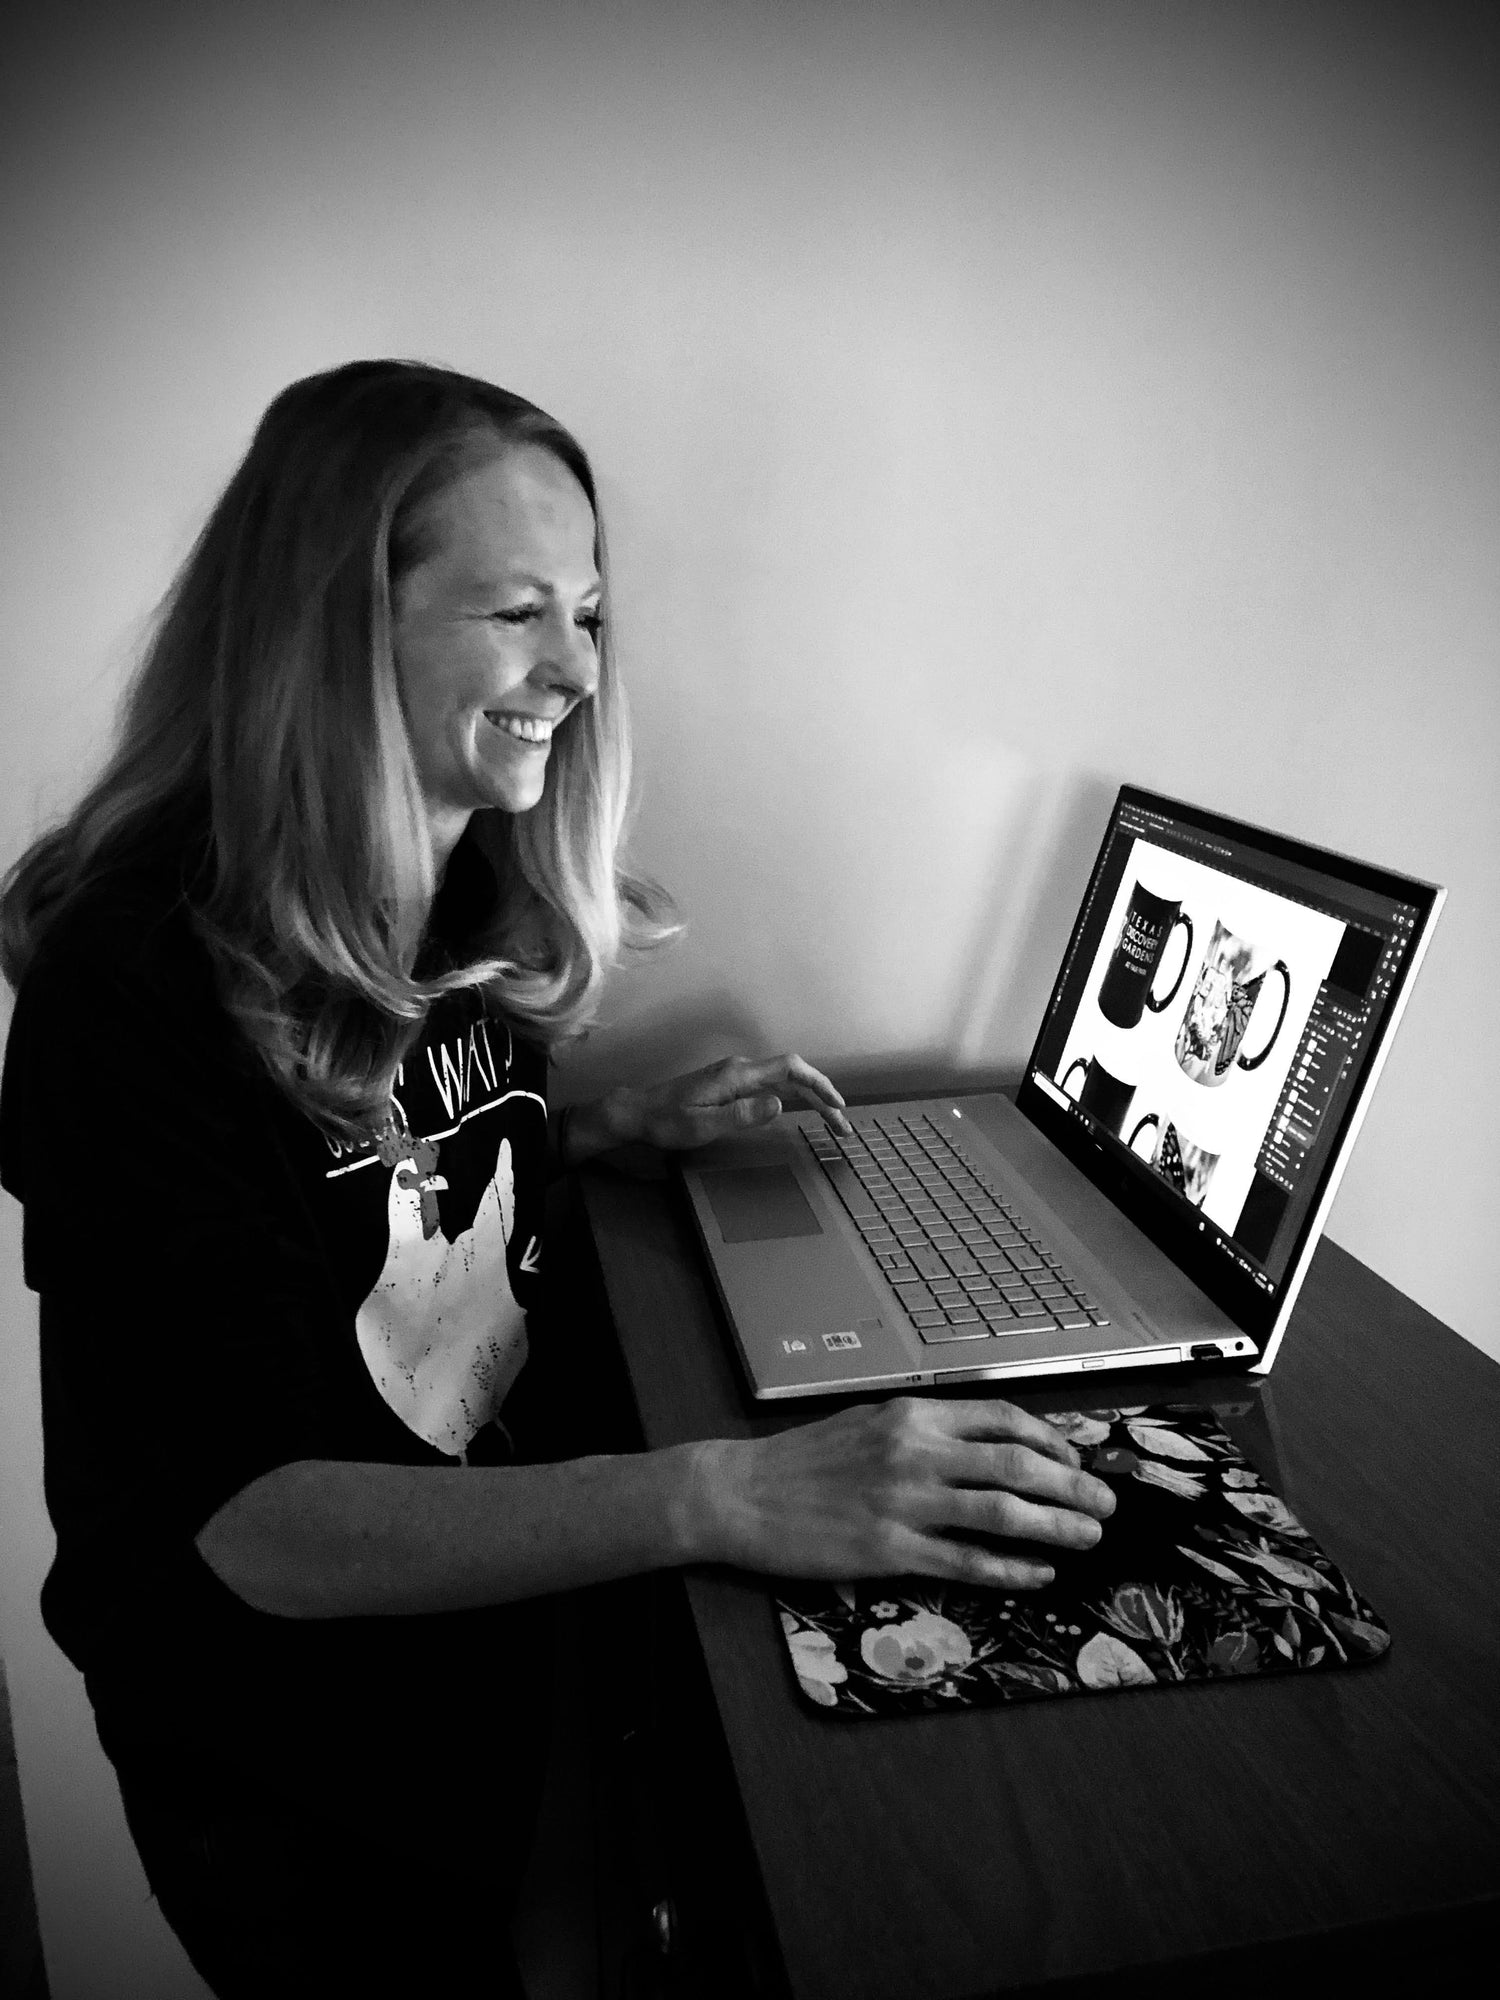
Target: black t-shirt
[(223, 1291)]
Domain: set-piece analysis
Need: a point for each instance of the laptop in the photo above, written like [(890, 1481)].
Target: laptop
[(1154, 1194)]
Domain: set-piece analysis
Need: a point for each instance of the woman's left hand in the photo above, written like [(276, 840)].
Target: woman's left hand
[(726, 1097)]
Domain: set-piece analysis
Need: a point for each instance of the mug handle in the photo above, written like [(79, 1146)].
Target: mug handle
[(1078, 1062), (1149, 1119), (1254, 1062), (1161, 1006)]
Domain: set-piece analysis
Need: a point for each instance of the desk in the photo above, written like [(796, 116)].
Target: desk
[(1229, 1832)]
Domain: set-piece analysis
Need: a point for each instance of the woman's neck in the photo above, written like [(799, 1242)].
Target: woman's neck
[(444, 831)]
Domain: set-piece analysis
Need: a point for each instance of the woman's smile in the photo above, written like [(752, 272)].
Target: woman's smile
[(533, 729)]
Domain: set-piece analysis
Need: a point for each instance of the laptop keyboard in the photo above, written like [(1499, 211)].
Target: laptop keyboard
[(962, 1261)]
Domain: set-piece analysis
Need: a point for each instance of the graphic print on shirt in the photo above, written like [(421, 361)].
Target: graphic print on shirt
[(441, 1331)]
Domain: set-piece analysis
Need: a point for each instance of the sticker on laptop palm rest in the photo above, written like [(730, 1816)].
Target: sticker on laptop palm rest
[(1202, 1574)]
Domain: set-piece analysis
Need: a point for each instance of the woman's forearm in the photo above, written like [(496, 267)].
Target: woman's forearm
[(871, 1491), (324, 1539)]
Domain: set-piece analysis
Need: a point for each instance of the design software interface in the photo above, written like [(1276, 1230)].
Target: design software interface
[(1214, 1018)]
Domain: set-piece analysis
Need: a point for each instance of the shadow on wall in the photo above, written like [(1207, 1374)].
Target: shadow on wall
[(670, 1040), (1001, 982), (1041, 865), (1037, 882)]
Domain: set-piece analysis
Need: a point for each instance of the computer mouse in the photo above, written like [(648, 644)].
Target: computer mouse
[(1110, 1461)]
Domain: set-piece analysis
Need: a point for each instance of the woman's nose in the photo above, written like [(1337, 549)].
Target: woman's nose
[(569, 657)]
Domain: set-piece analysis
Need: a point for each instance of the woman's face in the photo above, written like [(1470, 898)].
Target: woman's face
[(495, 632)]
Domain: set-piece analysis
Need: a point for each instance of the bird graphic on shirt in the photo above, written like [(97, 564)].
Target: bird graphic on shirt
[(440, 1331)]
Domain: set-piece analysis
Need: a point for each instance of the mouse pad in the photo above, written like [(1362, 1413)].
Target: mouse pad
[(1202, 1574)]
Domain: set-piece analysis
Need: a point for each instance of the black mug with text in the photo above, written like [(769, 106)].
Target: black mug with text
[(1125, 991)]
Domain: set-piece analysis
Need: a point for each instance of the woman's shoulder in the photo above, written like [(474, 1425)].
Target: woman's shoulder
[(133, 919), (126, 933), (117, 1024)]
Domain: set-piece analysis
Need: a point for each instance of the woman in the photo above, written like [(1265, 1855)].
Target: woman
[(275, 1103)]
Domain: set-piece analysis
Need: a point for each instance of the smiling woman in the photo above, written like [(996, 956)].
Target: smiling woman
[(497, 635), (275, 1101), (320, 710)]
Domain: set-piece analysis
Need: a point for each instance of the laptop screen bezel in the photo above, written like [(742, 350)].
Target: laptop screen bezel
[(1138, 1192)]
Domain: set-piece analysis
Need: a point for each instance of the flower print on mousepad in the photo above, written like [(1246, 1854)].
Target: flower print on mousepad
[(1202, 1574)]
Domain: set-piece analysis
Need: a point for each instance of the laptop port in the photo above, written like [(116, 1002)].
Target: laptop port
[(1207, 1350)]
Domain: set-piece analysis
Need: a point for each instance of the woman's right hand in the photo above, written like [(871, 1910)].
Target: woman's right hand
[(875, 1490)]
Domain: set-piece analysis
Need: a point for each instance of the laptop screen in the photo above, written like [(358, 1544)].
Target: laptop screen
[(1221, 1010)]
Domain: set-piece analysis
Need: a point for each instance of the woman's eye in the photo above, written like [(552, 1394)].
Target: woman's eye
[(592, 623), (517, 614)]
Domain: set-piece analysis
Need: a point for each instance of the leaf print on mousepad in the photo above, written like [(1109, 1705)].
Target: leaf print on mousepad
[(1202, 1573)]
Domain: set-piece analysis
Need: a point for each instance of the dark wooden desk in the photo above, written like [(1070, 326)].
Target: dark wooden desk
[(1344, 1823)]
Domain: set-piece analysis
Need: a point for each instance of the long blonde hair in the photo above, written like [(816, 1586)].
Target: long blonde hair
[(264, 732)]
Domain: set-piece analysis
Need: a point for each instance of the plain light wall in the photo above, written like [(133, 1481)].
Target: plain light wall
[(992, 404)]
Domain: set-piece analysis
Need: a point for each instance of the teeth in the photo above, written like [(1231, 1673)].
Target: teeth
[(528, 728)]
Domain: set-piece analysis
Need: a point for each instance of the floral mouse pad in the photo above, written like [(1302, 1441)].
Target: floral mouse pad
[(1202, 1574)]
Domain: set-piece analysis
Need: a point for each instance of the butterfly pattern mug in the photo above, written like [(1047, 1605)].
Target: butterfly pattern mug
[(1219, 1009)]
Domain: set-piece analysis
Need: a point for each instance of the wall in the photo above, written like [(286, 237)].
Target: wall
[(992, 403)]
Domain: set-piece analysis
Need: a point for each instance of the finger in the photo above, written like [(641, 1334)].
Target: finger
[(995, 1418), (974, 1563), (818, 1090), (1018, 1468), (1017, 1519), (813, 1081), (700, 1124), (717, 1083), (798, 1078), (751, 1110)]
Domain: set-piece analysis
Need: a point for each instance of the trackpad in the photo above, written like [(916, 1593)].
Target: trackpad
[(754, 1204)]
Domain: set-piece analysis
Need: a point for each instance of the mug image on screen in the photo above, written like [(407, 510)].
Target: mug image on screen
[(1104, 1096), (1125, 992), (1183, 1164), (1223, 999)]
